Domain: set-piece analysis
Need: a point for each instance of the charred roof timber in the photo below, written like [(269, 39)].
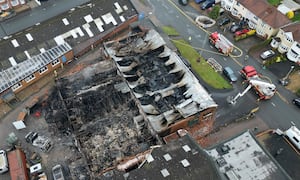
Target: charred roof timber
[(166, 89), (101, 113)]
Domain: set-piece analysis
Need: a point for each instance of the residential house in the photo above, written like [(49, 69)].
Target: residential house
[(261, 16), (287, 41), (10, 4)]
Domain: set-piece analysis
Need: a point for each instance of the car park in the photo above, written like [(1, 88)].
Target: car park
[(224, 21), (207, 4), (228, 72), (267, 54), (3, 162), (57, 172), (199, 1), (296, 101)]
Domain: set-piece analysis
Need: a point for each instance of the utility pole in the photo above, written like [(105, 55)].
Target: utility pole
[(285, 80)]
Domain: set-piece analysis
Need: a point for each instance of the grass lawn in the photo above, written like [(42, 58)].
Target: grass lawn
[(274, 2), (297, 16), (170, 31), (202, 68)]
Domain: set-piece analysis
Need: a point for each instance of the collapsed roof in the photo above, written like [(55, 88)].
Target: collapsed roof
[(166, 89), (96, 105)]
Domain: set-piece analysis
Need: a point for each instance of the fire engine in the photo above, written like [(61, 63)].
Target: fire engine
[(264, 88), (221, 43)]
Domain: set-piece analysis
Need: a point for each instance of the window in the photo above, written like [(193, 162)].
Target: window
[(295, 139), (29, 78), (43, 69), (193, 122), (55, 62), (16, 86)]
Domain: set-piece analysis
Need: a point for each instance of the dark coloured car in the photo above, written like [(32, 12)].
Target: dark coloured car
[(267, 54), (224, 21), (183, 2), (235, 27), (199, 1), (296, 102), (207, 4), (228, 72), (31, 136)]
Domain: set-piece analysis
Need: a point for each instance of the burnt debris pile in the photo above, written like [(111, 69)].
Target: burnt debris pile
[(96, 105)]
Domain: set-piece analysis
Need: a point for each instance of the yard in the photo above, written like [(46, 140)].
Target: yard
[(198, 63)]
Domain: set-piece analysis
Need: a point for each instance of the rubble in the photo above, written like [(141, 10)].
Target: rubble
[(95, 106)]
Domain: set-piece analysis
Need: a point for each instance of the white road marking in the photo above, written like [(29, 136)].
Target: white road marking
[(42, 50), (88, 18), (118, 8), (99, 24), (29, 37), (74, 35), (27, 54), (108, 18), (15, 43), (273, 104), (12, 61), (78, 29), (59, 40), (122, 18), (86, 27), (65, 21)]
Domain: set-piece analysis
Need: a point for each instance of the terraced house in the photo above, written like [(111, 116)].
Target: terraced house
[(268, 22), (10, 4)]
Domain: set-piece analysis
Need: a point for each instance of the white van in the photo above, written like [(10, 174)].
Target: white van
[(3, 162), (293, 134)]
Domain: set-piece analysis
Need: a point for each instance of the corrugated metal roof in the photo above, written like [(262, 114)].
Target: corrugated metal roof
[(15, 74)]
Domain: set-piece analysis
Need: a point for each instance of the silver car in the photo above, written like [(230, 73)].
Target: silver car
[(3, 162), (57, 172), (267, 54)]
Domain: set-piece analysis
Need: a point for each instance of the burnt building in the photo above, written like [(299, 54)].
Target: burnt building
[(95, 106), (168, 94)]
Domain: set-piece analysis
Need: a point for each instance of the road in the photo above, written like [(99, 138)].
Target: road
[(37, 15), (276, 113)]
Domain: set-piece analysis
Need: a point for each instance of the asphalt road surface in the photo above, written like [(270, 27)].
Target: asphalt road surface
[(276, 113)]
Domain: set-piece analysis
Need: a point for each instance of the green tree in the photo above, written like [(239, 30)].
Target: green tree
[(215, 12)]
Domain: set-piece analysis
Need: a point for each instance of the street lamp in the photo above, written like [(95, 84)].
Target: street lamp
[(285, 80)]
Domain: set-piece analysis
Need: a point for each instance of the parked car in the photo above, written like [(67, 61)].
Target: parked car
[(207, 4), (240, 32), (199, 1), (267, 54), (235, 27), (296, 101), (31, 136), (57, 172), (224, 21), (3, 162), (183, 2), (228, 72)]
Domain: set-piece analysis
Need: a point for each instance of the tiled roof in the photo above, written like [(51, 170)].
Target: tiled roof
[(268, 13), (295, 29)]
